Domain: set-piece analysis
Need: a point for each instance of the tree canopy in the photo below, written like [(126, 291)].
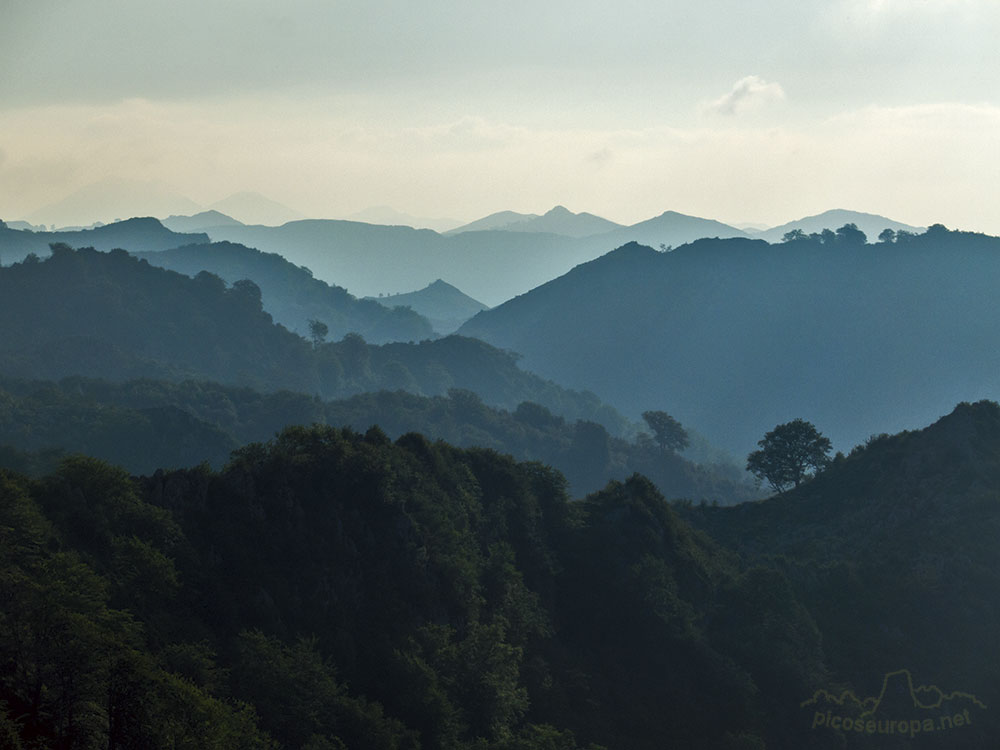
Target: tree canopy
[(667, 431), (788, 454)]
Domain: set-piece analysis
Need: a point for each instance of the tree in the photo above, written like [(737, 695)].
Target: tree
[(318, 330), (788, 453), (849, 234), (794, 236), (667, 431), (887, 236)]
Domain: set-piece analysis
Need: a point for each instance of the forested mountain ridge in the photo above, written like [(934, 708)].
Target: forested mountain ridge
[(333, 589), (871, 224), (893, 550), (292, 296), (858, 338), (144, 233), (436, 579), (145, 425), (113, 316)]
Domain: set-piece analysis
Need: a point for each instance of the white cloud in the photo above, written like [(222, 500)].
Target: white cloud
[(747, 93)]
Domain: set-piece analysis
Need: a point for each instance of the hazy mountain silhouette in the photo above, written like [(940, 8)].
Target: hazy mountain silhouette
[(140, 234), (491, 265), (388, 216), (558, 220), (735, 336), (442, 304), (253, 208), (499, 220), (199, 222), (293, 297), (110, 200), (871, 224), (369, 259), (672, 229)]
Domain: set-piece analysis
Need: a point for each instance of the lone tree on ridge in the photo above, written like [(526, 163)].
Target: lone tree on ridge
[(788, 454)]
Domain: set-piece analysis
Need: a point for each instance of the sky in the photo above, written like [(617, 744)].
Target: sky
[(736, 110)]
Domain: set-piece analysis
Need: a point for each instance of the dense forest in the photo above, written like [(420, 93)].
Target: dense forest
[(147, 424), (333, 589)]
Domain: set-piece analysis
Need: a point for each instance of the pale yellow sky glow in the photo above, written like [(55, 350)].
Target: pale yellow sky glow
[(703, 108)]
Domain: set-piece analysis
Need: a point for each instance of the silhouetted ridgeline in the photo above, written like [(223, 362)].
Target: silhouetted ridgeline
[(112, 316), (143, 233), (442, 304), (735, 336)]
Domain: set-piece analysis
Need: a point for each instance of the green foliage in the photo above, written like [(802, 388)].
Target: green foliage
[(667, 431), (318, 330), (145, 425), (332, 589), (788, 453)]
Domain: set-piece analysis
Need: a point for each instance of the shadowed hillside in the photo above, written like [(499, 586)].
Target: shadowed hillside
[(735, 336), (293, 297), (113, 316)]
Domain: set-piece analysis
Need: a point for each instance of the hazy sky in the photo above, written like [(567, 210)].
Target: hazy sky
[(729, 109)]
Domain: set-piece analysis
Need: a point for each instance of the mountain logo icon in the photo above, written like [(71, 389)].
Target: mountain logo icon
[(899, 707)]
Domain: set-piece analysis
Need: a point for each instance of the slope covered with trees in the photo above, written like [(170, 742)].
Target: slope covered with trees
[(145, 425), (293, 297), (112, 316), (139, 234), (857, 338), (893, 550), (336, 589)]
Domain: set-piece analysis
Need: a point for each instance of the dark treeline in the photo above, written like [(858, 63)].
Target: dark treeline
[(144, 425), (334, 589), (112, 316)]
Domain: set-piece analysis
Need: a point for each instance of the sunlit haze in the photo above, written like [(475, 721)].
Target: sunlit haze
[(741, 112)]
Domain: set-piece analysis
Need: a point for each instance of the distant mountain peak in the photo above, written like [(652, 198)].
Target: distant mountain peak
[(249, 207), (833, 219)]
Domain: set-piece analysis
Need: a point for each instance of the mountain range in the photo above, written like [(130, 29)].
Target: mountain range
[(491, 264), (116, 317), (141, 233), (114, 199), (735, 336), (558, 220)]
